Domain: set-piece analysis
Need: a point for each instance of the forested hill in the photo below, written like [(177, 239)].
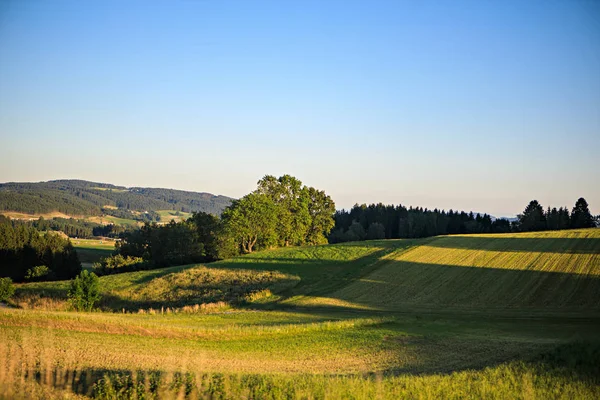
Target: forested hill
[(83, 198)]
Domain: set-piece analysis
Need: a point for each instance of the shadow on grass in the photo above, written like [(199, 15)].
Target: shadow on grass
[(571, 362), (520, 244)]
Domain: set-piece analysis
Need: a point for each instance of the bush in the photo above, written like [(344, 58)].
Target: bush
[(7, 289), (38, 273), (85, 291), (118, 263)]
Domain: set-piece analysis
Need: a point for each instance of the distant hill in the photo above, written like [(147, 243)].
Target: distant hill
[(83, 199)]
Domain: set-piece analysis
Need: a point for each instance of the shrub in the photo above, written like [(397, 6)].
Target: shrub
[(38, 273), (118, 263), (84, 292), (7, 289)]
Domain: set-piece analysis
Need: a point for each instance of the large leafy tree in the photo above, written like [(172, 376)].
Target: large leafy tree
[(291, 201), (251, 221), (321, 209), (581, 216), (533, 217)]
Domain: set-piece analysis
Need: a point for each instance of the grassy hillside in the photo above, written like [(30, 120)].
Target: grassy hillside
[(481, 316), (83, 198), (554, 271)]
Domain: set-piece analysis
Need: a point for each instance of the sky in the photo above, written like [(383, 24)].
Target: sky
[(472, 105)]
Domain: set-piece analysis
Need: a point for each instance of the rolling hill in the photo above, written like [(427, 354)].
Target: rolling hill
[(482, 316), (82, 199)]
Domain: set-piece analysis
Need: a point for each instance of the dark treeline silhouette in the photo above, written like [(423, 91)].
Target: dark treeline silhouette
[(25, 254), (379, 221), (534, 218)]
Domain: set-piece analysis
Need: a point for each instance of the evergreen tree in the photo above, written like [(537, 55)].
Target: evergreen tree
[(533, 218), (581, 216)]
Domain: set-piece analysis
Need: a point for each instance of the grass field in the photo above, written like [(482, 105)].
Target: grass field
[(18, 215), (92, 250), (109, 219), (168, 215), (477, 316)]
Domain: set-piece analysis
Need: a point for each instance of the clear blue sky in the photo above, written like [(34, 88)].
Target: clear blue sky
[(474, 105)]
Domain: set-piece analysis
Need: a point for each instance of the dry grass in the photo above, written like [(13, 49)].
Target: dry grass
[(343, 321), (29, 217)]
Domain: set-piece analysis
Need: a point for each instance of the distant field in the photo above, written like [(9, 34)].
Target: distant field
[(92, 250), (476, 316), (110, 189), (103, 220), (18, 215), (109, 219), (177, 216)]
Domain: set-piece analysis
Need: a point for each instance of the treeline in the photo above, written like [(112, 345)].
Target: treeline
[(378, 221), (25, 254), (39, 201), (146, 216), (176, 243), (534, 218), (77, 197), (75, 228), (280, 212)]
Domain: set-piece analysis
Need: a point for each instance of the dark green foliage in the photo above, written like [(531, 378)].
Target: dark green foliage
[(176, 243), (533, 218), (401, 222), (117, 264), (84, 292), (252, 221), (396, 222), (280, 212), (376, 231), (22, 248), (208, 228), (39, 273), (76, 197), (581, 216), (356, 232), (7, 289)]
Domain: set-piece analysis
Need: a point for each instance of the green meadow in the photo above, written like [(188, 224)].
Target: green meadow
[(92, 250), (464, 316)]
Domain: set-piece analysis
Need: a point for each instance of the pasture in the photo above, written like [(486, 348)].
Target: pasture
[(480, 316), (167, 215), (92, 250)]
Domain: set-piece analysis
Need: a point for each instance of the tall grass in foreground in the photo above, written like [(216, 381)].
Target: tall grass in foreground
[(569, 372)]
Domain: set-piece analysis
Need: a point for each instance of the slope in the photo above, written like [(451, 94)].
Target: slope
[(550, 271), (83, 198)]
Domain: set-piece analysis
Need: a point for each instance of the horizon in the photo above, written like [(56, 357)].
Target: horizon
[(449, 105), (475, 212)]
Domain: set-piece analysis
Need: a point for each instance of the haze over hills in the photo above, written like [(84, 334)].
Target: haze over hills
[(83, 198)]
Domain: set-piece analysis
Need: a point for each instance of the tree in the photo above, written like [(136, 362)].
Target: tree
[(252, 220), (207, 228), (356, 232), (581, 216), (291, 201), (321, 210), (376, 231), (84, 292), (7, 289), (533, 217)]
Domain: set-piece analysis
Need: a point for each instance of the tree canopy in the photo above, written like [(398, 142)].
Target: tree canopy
[(280, 212)]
